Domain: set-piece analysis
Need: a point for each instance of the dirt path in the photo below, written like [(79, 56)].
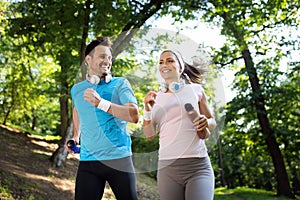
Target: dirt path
[(26, 172)]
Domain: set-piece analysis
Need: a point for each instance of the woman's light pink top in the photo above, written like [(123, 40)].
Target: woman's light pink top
[(177, 135)]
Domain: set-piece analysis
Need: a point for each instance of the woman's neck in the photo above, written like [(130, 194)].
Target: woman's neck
[(169, 81)]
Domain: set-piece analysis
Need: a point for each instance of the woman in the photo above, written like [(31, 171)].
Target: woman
[(184, 168)]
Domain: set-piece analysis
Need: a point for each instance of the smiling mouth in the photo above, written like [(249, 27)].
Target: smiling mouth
[(104, 67), (165, 70)]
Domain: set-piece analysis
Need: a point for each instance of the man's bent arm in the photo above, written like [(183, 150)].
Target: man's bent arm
[(127, 112)]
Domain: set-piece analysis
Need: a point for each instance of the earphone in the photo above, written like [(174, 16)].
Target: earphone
[(94, 79), (108, 78), (173, 87)]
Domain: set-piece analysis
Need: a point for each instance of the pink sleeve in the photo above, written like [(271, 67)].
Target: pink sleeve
[(198, 90)]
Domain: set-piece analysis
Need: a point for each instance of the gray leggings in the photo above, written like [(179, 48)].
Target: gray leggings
[(186, 179)]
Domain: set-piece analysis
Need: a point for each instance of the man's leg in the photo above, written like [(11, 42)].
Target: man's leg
[(88, 184), (122, 180)]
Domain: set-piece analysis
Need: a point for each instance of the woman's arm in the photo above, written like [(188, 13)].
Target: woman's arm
[(208, 118), (149, 130), (148, 125)]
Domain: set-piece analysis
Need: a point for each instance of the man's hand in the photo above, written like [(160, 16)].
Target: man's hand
[(92, 97)]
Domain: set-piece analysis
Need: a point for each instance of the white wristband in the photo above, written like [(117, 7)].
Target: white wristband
[(104, 105), (147, 115)]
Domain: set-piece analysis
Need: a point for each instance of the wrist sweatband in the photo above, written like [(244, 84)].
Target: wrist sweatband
[(147, 115), (104, 105)]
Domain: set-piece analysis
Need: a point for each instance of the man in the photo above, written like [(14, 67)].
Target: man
[(102, 107)]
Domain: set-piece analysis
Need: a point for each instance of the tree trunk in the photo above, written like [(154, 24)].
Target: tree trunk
[(223, 183), (84, 36), (132, 27), (220, 121), (64, 113), (6, 116), (59, 157), (34, 119), (283, 187)]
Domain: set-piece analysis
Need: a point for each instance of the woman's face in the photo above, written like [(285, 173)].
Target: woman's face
[(169, 67)]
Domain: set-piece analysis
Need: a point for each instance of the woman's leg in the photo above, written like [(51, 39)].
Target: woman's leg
[(170, 186), (200, 184)]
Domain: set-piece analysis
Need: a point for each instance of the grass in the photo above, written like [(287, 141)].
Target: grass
[(50, 138), (245, 193)]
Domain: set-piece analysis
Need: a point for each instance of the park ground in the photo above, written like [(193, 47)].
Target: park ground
[(26, 173)]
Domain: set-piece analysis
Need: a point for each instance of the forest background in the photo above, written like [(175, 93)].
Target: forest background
[(257, 141)]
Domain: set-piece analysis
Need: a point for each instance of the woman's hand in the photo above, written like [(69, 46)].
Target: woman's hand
[(149, 100), (201, 124)]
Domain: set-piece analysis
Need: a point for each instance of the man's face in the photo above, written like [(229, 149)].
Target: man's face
[(100, 61)]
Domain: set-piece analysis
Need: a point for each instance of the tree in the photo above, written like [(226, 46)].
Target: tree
[(50, 29), (236, 16)]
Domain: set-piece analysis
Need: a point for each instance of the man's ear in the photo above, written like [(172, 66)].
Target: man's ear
[(88, 59)]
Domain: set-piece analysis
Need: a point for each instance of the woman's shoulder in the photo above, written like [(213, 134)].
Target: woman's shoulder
[(196, 86), (197, 89)]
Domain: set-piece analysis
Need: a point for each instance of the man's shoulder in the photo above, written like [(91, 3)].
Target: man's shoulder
[(117, 78), (80, 84)]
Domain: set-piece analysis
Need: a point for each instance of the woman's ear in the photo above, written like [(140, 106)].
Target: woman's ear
[(180, 70)]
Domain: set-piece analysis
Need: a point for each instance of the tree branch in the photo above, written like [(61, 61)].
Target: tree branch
[(132, 27), (229, 62)]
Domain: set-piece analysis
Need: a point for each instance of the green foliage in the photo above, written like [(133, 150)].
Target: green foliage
[(5, 193), (263, 28), (243, 135), (40, 55), (145, 153), (24, 81), (37, 62)]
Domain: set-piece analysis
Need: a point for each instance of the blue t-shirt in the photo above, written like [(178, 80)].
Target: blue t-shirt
[(103, 136)]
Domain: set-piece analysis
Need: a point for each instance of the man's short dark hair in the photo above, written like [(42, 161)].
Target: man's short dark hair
[(105, 41)]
